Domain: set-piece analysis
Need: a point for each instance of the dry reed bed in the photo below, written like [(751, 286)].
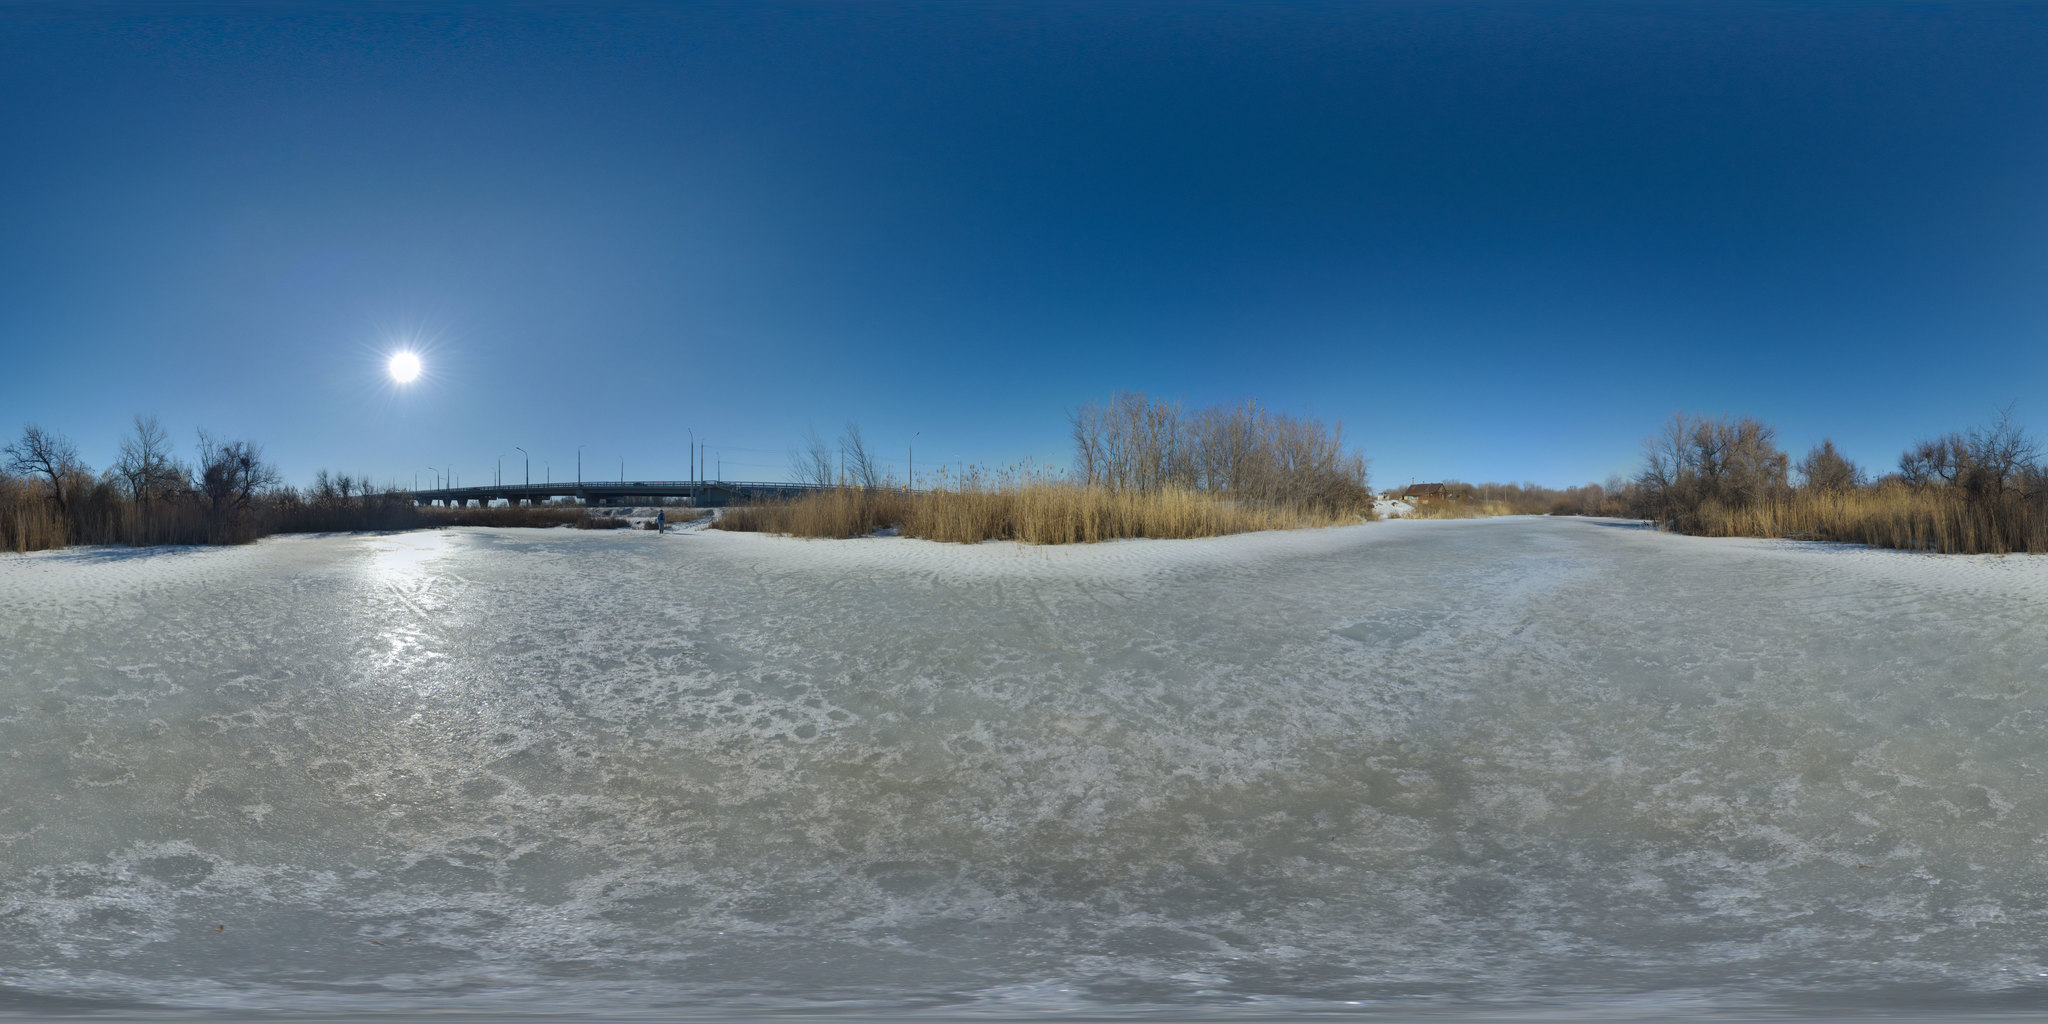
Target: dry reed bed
[(1036, 513), (1474, 509), (27, 521), (31, 521), (1890, 516)]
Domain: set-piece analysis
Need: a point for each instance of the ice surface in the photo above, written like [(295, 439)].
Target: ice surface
[(1414, 765)]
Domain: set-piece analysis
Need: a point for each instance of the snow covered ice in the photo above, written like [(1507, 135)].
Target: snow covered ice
[(1459, 766)]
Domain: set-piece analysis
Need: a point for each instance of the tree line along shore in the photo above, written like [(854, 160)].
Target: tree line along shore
[(1142, 467), (228, 494)]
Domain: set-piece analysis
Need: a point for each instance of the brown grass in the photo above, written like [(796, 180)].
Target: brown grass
[(28, 522), (504, 515), (30, 519), (1893, 515), (1468, 509), (1037, 512)]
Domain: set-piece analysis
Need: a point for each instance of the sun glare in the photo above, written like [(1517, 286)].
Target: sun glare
[(404, 367)]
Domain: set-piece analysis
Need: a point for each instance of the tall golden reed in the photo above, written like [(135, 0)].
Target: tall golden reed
[(1891, 515), (28, 520), (1469, 509), (1034, 512)]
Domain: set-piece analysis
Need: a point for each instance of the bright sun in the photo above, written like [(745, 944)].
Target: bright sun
[(404, 367)]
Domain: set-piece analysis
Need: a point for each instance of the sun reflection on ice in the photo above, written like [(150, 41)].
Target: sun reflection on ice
[(407, 595)]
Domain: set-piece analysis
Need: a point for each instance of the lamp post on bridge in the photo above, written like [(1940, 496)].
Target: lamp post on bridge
[(529, 473)]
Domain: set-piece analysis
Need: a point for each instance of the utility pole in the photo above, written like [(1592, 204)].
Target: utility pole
[(913, 458), (693, 455)]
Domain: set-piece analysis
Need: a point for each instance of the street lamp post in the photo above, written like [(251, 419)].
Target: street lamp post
[(529, 473), (913, 458)]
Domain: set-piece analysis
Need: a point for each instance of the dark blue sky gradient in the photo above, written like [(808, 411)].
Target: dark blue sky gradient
[(1499, 241)]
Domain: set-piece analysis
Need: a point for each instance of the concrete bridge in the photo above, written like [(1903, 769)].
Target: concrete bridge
[(702, 493)]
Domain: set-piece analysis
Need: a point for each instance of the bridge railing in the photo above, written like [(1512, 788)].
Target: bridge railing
[(649, 487)]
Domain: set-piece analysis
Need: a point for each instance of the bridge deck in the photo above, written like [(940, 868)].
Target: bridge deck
[(705, 493)]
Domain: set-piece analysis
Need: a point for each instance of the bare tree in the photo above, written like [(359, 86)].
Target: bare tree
[(1226, 439), (1986, 460), (858, 458), (812, 464), (1144, 444), (146, 467), (1694, 462), (2001, 455), (1826, 470), (1942, 460), (1087, 424), (324, 490), (230, 473), (48, 454)]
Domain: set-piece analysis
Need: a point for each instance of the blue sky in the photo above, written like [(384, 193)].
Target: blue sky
[(1497, 240)]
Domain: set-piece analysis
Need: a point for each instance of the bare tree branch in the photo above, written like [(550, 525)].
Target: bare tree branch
[(812, 464), (46, 453), (860, 460)]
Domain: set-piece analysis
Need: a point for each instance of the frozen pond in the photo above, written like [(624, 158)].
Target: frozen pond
[(1484, 767)]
